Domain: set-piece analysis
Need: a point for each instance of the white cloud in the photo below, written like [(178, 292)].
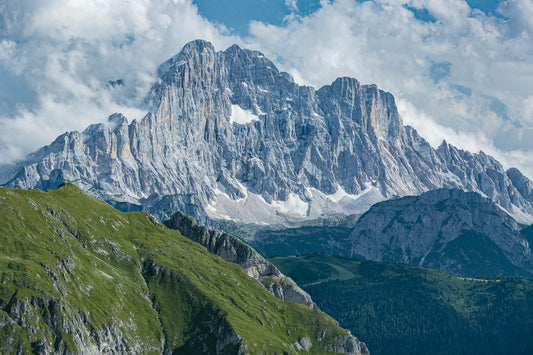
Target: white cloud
[(434, 133), (527, 110), (466, 77), (520, 14), (56, 57), (292, 5), (469, 74)]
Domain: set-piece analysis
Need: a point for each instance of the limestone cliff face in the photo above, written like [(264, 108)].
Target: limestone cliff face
[(228, 136), (461, 233), (235, 251)]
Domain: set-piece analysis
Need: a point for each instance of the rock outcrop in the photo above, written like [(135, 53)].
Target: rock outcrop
[(235, 251), (228, 136)]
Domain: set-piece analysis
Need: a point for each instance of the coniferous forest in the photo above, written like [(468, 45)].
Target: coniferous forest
[(401, 309)]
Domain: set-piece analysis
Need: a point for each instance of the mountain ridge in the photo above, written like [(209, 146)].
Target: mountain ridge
[(461, 233), (78, 276), (297, 153), (236, 251)]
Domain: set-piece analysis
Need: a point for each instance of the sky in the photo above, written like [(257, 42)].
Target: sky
[(459, 70)]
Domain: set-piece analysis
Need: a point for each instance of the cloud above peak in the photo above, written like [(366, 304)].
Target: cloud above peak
[(458, 72), (56, 57), (463, 70)]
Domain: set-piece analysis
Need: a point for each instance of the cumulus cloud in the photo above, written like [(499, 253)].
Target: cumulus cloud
[(457, 73), (520, 14), (292, 5), (56, 57), (468, 74)]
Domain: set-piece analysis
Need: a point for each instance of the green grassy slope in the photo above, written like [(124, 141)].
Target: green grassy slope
[(77, 276), (401, 309)]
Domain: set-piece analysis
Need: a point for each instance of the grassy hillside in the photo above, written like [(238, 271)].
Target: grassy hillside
[(401, 309), (77, 276)]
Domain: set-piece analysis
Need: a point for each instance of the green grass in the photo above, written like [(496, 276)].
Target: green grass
[(315, 269), (402, 309), (76, 263)]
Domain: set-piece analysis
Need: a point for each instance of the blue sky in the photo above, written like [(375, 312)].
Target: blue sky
[(237, 14), (459, 70), (487, 6)]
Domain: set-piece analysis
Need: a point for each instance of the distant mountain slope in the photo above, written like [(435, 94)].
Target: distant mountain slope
[(401, 309), (77, 276), (231, 137), (327, 235), (457, 232)]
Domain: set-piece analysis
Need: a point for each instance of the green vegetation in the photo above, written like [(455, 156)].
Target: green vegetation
[(318, 236), (401, 309), (78, 276)]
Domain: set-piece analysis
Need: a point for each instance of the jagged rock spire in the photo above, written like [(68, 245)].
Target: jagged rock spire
[(230, 136)]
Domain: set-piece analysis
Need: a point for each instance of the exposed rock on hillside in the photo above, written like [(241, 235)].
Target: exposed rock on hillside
[(235, 251), (79, 277)]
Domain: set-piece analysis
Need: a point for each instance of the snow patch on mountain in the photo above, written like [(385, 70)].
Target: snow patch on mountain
[(240, 116), (292, 206), (253, 208)]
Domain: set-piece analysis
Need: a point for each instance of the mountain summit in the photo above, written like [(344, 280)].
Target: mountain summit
[(458, 232), (231, 137)]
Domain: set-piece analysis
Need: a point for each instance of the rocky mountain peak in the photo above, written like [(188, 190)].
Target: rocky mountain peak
[(191, 51), (522, 183), (117, 120), (251, 74), (229, 136), (380, 116), (196, 57), (459, 232), (345, 87), (197, 46)]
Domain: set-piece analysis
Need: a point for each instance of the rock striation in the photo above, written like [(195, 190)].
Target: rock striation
[(229, 136), (461, 233), (235, 251)]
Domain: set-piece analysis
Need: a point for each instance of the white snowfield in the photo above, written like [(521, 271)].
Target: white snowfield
[(253, 208), (240, 116)]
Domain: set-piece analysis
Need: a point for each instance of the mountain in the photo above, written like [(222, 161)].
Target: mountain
[(461, 233), (401, 309), (324, 235), (78, 276), (230, 137), (234, 250)]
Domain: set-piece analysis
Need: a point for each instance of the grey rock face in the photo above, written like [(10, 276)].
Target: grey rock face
[(58, 320), (350, 345), (458, 232), (235, 251), (231, 137)]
